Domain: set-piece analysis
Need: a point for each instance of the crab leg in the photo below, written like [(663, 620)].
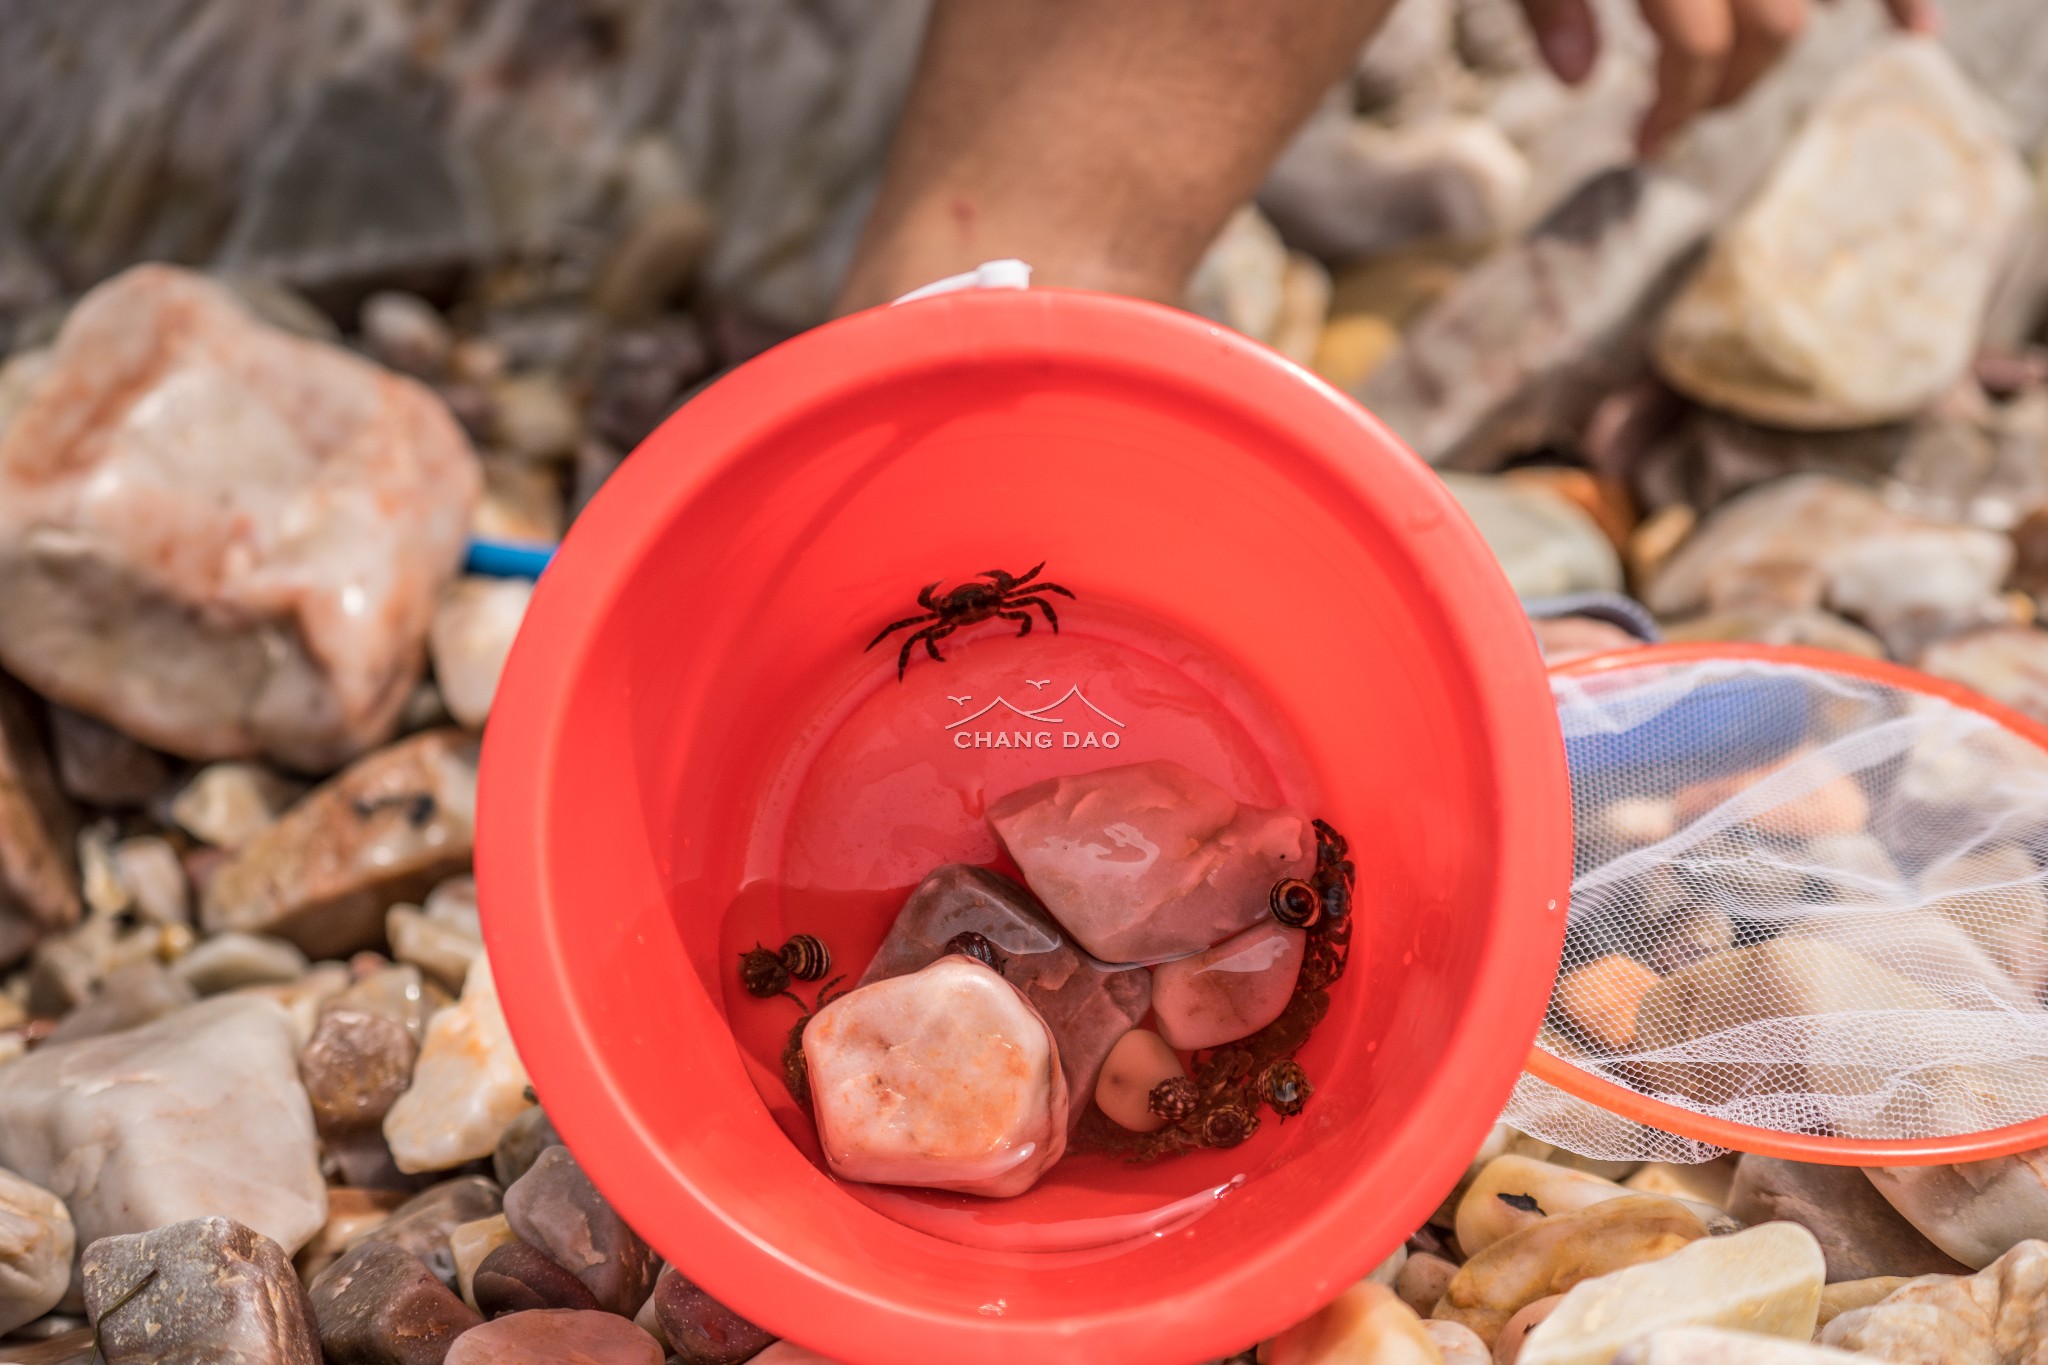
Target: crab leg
[(906, 621), (1051, 616)]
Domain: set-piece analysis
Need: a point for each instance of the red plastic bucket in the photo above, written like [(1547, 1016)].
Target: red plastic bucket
[(674, 769)]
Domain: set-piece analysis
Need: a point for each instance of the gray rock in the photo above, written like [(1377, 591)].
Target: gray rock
[(379, 1305), (1859, 1233), (521, 1144), (128, 998), (208, 1291), (37, 1242), (198, 1113), (38, 880), (555, 1207), (1524, 347), (518, 1278), (229, 804), (553, 1336), (99, 765), (700, 1329), (1546, 546), (421, 1225), (385, 830), (229, 961)]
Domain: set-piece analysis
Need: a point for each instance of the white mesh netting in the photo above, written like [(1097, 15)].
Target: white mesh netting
[(1802, 901)]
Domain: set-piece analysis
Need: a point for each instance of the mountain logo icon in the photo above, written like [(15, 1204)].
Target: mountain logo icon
[(1042, 712)]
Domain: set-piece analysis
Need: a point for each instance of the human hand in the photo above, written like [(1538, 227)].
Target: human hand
[(1709, 51)]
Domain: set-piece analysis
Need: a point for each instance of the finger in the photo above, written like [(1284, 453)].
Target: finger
[(1566, 34), (1915, 16), (1763, 30), (1694, 40)]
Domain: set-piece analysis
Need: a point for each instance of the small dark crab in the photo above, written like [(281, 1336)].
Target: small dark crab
[(1006, 595)]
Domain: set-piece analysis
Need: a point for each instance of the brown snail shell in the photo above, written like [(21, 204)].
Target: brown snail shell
[(762, 973), (1285, 1087), (1173, 1099), (1228, 1124), (806, 958), (1295, 903)]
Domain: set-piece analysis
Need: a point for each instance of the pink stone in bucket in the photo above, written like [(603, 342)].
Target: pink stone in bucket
[(1150, 860), (1229, 992), (946, 1078)]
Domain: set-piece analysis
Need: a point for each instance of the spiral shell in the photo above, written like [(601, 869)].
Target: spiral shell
[(1228, 1124), (1285, 1087), (1173, 1099), (970, 944), (806, 958), (762, 973), (1295, 903)]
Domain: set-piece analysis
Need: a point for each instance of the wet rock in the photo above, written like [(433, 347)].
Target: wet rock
[(555, 1207), (38, 883), (1087, 1004), (425, 1224), (521, 1144), (1999, 1316), (1546, 546), (1423, 1280), (212, 1292), (1140, 1062), (471, 634), (355, 1067), (1514, 1192), (378, 1305), (229, 804), (351, 1212), (398, 993), (1366, 1322), (101, 766), (1848, 1295), (872, 1054), (1557, 1253), (406, 333), (441, 952), (1804, 316), (470, 1244), (1765, 1280), (1231, 991), (467, 1085), (518, 1278), (36, 1245), (150, 869), (1523, 348), (385, 830), (200, 1112), (1974, 1212), (2006, 663), (1064, 832), (229, 961), (1713, 1346), (549, 1337), (129, 997), (207, 439), (700, 1329)]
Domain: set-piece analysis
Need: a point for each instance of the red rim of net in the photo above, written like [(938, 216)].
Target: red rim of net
[(1820, 1149)]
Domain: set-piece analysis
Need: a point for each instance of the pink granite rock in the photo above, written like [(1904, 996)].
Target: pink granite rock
[(555, 1336), (1087, 1004), (1149, 861), (946, 1078), (1229, 992), (220, 538)]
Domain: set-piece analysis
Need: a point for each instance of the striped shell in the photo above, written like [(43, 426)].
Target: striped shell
[(1295, 903), (806, 957), (1286, 1087)]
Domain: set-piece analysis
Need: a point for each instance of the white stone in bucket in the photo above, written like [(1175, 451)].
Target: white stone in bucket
[(946, 1078)]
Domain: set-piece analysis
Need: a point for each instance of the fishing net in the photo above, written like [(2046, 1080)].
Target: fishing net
[(1806, 899)]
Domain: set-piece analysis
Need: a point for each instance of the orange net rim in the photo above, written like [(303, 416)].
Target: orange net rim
[(1741, 1137)]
